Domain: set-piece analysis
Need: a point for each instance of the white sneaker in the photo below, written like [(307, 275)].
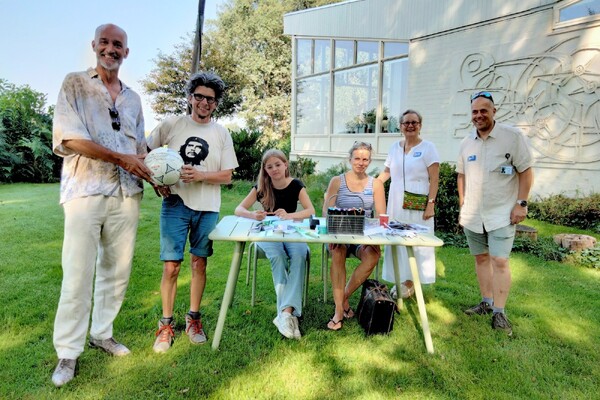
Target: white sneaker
[(194, 330), (406, 291), (110, 345), (285, 325), (64, 372), (297, 334), (164, 337)]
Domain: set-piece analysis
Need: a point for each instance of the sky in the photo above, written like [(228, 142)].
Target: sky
[(42, 41)]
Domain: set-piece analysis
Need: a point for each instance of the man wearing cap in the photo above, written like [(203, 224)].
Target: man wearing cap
[(494, 180)]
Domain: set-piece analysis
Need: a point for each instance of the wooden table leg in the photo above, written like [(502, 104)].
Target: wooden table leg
[(399, 301), (234, 272), (420, 301)]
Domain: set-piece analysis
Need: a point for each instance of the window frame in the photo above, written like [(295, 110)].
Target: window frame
[(378, 62)]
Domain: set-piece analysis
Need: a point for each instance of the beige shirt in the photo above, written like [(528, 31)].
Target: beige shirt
[(216, 154), (82, 113), (490, 167)]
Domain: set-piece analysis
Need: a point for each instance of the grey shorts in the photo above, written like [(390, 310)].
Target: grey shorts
[(498, 243)]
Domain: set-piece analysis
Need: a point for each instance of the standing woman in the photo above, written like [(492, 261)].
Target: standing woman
[(279, 195), (354, 189), (414, 166)]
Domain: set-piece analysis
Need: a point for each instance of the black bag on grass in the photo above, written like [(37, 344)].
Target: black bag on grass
[(376, 308)]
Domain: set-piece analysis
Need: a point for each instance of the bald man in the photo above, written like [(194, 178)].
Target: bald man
[(99, 131)]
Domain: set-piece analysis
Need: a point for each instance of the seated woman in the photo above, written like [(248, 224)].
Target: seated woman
[(279, 195), (353, 189)]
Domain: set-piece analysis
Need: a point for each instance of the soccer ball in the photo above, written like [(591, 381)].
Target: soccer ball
[(165, 164)]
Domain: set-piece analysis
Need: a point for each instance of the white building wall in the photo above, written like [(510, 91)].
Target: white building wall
[(545, 80)]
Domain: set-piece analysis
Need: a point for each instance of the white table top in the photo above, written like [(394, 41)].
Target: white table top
[(237, 229)]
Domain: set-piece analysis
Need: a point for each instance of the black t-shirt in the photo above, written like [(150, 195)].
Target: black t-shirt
[(286, 198)]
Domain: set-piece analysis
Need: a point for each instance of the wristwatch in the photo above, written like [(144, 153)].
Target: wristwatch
[(522, 203), (431, 201)]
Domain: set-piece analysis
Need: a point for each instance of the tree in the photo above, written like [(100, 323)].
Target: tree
[(25, 136), (247, 48)]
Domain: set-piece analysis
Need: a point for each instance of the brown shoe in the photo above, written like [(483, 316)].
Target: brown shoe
[(500, 322), (482, 308)]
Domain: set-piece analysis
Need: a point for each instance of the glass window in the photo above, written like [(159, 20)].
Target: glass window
[(581, 9), (355, 100), (344, 53), (392, 49), (303, 56), (312, 105), (395, 85), (367, 51), (322, 55)]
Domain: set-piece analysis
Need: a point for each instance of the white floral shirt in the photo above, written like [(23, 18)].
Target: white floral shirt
[(82, 112)]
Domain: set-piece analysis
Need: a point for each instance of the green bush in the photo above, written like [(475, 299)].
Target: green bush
[(543, 247), (302, 168), (26, 136), (589, 258), (249, 149), (447, 209), (558, 209)]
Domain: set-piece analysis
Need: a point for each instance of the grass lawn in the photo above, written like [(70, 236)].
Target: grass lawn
[(552, 355)]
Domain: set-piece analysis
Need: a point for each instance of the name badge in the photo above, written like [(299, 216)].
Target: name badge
[(472, 158), (417, 154), (368, 192), (506, 169)]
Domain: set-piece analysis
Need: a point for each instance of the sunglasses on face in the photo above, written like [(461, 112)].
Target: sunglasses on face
[(487, 95), (409, 123), (116, 121), (200, 97)]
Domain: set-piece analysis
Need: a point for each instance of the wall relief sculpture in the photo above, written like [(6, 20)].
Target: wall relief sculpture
[(554, 97)]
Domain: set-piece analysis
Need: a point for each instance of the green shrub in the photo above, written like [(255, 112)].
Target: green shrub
[(454, 239), (249, 148), (302, 168), (558, 209), (447, 209), (543, 247), (589, 258)]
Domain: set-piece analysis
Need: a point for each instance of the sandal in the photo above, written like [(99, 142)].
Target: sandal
[(349, 313), (335, 323)]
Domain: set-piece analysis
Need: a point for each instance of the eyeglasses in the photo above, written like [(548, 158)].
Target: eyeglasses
[(200, 97), (409, 123), (487, 95), (116, 121), (365, 145)]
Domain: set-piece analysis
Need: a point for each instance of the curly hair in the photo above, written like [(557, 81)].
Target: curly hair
[(207, 79)]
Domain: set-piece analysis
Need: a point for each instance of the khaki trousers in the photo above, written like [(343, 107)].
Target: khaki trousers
[(99, 239)]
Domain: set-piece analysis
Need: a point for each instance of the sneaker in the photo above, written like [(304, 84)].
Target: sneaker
[(405, 291), (500, 322), (164, 337), (110, 345), (193, 328), (297, 334), (480, 309), (64, 372), (285, 324)]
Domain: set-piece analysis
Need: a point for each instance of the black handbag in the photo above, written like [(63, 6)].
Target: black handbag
[(376, 308)]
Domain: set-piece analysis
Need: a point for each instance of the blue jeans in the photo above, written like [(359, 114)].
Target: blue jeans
[(177, 222), (288, 277)]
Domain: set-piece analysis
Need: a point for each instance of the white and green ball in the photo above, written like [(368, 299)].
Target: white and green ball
[(165, 164)]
